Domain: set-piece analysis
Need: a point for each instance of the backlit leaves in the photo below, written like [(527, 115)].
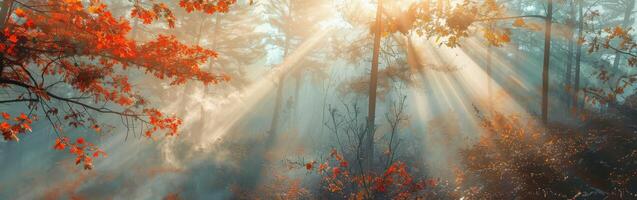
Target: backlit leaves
[(85, 49)]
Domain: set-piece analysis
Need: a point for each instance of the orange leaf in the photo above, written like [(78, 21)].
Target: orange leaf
[(5, 125), (19, 12), (13, 39), (519, 23), (6, 115), (59, 145)]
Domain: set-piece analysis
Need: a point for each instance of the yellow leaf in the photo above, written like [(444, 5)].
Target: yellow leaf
[(519, 23)]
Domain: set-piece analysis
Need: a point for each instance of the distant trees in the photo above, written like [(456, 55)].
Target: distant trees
[(294, 21)]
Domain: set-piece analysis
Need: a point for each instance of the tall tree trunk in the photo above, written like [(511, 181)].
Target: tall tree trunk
[(297, 90), (373, 85), (4, 12), (578, 59), (276, 115), (568, 84), (547, 57), (278, 101), (489, 63)]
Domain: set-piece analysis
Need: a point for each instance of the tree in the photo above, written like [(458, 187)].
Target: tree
[(69, 61), (547, 60), (578, 59), (287, 16), (371, 115), (571, 22)]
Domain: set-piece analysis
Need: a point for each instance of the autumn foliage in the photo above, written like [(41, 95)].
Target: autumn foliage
[(341, 180), (70, 60)]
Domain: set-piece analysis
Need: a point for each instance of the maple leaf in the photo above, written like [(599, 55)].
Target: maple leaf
[(343, 164), (19, 12), (97, 52), (505, 38), (59, 145), (309, 166), (26, 126), (336, 171), (322, 167), (22, 117), (96, 127), (5, 126), (29, 24), (519, 22), (13, 39)]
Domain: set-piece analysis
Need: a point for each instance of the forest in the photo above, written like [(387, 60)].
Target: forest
[(318, 99)]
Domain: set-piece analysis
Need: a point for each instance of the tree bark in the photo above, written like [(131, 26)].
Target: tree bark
[(373, 85), (547, 57), (568, 76), (578, 60), (489, 63), (4, 12)]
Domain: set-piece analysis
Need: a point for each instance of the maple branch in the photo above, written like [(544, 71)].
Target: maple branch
[(19, 100), (31, 7), (70, 100), (622, 51)]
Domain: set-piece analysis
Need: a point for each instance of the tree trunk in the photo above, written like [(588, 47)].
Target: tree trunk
[(278, 101), (276, 115), (489, 62), (298, 84), (547, 57), (569, 57), (578, 59), (373, 85), (4, 12)]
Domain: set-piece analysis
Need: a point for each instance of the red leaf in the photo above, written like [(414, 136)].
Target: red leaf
[(59, 145), (336, 171), (13, 39), (5, 125), (309, 166), (80, 140), (6, 115)]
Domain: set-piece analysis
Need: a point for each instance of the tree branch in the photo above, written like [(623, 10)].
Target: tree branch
[(70, 100), (18, 100)]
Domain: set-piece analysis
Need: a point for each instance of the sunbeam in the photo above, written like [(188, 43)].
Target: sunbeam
[(315, 99)]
